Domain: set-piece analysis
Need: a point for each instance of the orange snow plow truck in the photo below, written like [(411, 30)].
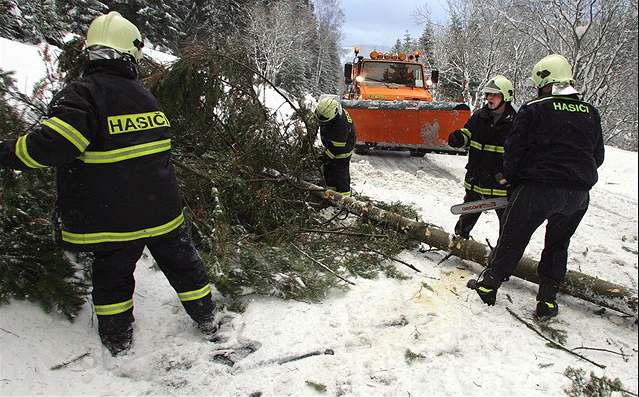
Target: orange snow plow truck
[(392, 108)]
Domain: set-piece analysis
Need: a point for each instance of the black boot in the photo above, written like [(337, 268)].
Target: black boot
[(116, 332), (546, 310), (547, 300), (486, 288), (204, 313)]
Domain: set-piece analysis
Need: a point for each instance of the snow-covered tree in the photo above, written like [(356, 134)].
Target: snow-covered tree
[(599, 39), (279, 51), (327, 67)]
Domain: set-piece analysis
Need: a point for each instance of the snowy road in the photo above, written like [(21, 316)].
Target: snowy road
[(427, 335)]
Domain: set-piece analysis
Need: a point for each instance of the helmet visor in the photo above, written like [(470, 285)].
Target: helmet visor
[(323, 120), (491, 90)]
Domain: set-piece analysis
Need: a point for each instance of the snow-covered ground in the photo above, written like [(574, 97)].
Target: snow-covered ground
[(463, 346), (427, 335)]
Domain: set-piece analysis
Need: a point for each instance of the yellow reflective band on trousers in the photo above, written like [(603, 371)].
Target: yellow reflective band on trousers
[(487, 148), (111, 237), (23, 153), (485, 191), (194, 295), (129, 152), (337, 156), (484, 289), (136, 122), (345, 194), (67, 131), (338, 144), (116, 308)]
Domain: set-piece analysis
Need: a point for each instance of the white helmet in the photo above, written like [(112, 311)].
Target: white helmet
[(327, 108), (500, 85), (114, 31), (552, 69)]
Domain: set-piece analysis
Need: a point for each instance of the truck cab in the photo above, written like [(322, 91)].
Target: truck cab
[(389, 98)]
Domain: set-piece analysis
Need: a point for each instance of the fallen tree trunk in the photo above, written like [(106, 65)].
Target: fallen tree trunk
[(577, 284)]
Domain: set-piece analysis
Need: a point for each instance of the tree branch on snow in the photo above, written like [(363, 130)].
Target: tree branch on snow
[(322, 265), (552, 342)]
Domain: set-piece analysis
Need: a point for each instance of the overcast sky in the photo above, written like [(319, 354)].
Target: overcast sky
[(381, 22)]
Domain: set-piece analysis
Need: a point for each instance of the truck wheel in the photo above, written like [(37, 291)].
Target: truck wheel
[(417, 153)]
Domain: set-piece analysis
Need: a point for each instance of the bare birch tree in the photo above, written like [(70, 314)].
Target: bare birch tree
[(599, 39), (275, 36)]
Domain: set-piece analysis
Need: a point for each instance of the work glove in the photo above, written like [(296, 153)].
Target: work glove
[(505, 183), (456, 139), (501, 179)]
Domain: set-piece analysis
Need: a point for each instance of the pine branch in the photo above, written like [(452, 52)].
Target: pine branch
[(394, 259), (625, 356), (344, 233), (322, 265), (552, 342), (64, 364)]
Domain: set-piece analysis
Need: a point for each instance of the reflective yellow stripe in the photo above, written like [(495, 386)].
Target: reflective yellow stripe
[(66, 130), (485, 191), (194, 295), (484, 289), (104, 237), (23, 153), (487, 148), (494, 148), (338, 144), (337, 156), (467, 135), (116, 308), (345, 194), (129, 152), (550, 305)]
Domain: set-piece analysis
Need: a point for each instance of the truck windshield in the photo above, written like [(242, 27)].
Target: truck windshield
[(394, 73)]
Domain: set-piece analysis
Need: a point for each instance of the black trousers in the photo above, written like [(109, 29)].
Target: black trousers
[(467, 222), (113, 281), (337, 174), (528, 207)]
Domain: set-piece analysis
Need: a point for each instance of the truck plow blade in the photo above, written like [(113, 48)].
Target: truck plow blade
[(406, 125)]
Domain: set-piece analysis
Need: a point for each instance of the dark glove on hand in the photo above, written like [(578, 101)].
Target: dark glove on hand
[(505, 183), (501, 179), (456, 139)]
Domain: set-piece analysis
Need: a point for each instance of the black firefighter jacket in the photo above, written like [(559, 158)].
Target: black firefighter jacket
[(555, 141), (110, 144), (485, 141), (338, 137)]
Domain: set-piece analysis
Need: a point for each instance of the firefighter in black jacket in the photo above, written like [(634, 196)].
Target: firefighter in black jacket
[(551, 160), (338, 137), (484, 135), (117, 191)]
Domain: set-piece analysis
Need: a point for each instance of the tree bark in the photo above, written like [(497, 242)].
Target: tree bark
[(591, 289)]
